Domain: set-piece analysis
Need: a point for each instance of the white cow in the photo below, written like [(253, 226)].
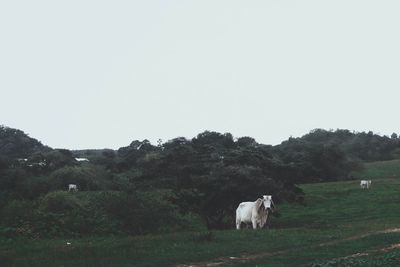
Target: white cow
[(255, 212), (365, 184), (72, 187)]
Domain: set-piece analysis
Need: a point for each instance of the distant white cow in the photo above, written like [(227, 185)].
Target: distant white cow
[(255, 212), (72, 187), (365, 184)]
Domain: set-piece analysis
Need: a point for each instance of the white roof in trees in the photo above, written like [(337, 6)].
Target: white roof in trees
[(81, 159)]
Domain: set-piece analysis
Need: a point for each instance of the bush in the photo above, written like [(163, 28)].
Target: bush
[(142, 213), (86, 177), (16, 213), (59, 202), (16, 219), (62, 213)]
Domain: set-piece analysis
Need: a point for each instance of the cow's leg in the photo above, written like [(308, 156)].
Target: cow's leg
[(254, 224), (238, 224)]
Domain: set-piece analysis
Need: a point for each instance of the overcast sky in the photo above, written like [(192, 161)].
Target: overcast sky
[(96, 74)]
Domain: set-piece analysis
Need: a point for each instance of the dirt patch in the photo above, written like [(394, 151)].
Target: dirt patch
[(380, 250), (237, 259), (373, 251), (386, 231), (249, 257), (357, 255), (392, 247), (393, 230)]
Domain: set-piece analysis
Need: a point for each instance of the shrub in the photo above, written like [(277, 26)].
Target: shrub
[(59, 202), (16, 213), (87, 177), (62, 213), (142, 213)]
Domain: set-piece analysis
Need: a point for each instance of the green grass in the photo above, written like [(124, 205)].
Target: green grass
[(332, 212), (379, 170), (329, 255)]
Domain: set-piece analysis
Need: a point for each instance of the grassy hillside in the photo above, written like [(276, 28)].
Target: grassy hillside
[(379, 170), (338, 224)]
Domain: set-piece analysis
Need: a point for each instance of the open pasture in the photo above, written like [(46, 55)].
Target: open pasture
[(339, 223)]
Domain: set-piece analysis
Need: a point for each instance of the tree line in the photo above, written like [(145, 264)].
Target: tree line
[(191, 183)]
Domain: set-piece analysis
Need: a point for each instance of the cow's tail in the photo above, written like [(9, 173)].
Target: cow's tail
[(238, 219)]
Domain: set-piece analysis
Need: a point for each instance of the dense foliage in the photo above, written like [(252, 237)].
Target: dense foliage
[(189, 183), (16, 144)]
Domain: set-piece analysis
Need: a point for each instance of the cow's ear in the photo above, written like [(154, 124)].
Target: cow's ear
[(261, 206), (259, 202)]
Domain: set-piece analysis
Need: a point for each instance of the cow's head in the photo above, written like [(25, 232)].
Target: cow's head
[(268, 203)]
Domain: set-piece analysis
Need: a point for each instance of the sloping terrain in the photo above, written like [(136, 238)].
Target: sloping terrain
[(339, 223)]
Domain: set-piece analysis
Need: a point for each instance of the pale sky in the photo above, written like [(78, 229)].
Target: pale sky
[(96, 74)]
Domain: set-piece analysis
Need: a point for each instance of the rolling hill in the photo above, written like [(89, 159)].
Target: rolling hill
[(338, 225)]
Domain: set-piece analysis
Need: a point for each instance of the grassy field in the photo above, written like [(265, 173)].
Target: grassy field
[(339, 225), (379, 170)]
